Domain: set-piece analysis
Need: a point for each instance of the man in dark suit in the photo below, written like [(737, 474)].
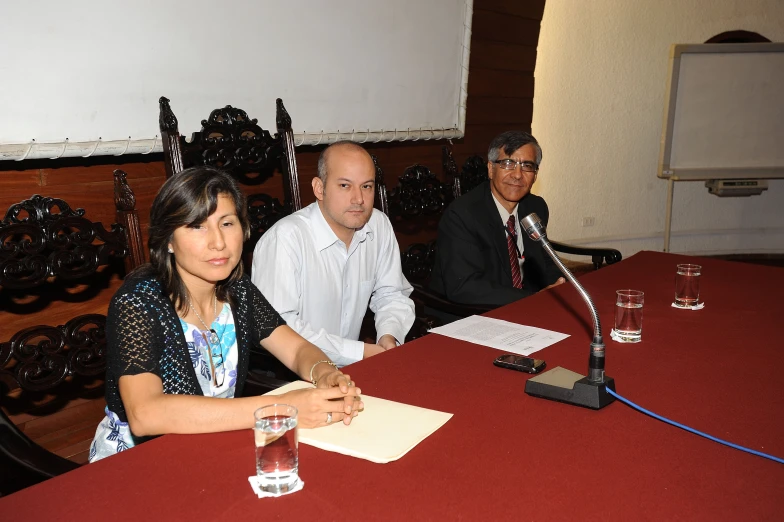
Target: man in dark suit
[(483, 256)]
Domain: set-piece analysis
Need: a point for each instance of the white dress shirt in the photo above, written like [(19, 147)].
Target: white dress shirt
[(323, 290), (504, 218)]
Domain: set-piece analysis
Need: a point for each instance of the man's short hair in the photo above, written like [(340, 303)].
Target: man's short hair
[(322, 161), (510, 141)]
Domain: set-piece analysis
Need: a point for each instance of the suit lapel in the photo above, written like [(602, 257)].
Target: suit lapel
[(531, 275), (495, 229), (522, 211)]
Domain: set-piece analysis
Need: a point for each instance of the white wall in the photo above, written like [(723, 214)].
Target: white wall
[(601, 77)]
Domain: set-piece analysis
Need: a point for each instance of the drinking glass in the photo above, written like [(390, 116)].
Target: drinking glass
[(277, 456), (687, 285), (628, 315)]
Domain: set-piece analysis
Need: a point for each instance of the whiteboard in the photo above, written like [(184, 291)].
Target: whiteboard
[(83, 77), (724, 112)]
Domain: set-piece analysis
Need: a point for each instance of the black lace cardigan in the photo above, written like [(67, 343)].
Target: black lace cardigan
[(144, 335)]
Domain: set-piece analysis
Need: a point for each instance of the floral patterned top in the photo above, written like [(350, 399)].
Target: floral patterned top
[(216, 370)]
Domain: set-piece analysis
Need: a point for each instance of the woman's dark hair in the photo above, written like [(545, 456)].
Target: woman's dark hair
[(188, 198)]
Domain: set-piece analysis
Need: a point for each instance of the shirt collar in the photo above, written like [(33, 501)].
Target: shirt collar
[(323, 234), (503, 212)]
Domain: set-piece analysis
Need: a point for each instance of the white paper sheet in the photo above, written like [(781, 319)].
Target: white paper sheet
[(384, 431), (501, 335)]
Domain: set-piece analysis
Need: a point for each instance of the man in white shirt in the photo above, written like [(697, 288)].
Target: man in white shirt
[(321, 266)]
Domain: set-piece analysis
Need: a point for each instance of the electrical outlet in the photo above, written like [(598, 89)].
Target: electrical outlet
[(588, 221)]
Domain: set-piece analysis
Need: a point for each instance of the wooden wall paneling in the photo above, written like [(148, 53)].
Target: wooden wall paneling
[(532, 9), (18, 186), (58, 176), (492, 83), (500, 27), (511, 111), (480, 137), (97, 199), (506, 56)]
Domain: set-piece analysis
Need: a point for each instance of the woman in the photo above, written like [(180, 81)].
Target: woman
[(179, 329)]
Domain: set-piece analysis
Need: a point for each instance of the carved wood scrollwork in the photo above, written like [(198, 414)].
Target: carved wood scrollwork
[(124, 198), (282, 118), (420, 192), (417, 262), (41, 357), (230, 140), (167, 121), (473, 174), (43, 237), (451, 175), (127, 215), (381, 199), (263, 212)]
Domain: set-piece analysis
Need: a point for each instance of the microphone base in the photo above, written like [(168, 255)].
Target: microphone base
[(562, 385)]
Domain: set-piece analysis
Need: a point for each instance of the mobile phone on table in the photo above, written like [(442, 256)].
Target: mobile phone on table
[(520, 363)]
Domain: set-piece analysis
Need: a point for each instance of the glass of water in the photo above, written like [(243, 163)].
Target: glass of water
[(687, 285), (277, 455), (628, 315)]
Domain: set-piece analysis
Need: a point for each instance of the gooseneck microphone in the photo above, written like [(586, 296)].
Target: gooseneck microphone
[(560, 384)]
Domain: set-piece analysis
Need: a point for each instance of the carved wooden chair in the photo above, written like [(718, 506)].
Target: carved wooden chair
[(475, 172), (128, 217), (419, 198), (232, 141), (414, 205), (46, 250)]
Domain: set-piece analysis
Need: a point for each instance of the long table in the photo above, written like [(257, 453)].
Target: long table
[(506, 455)]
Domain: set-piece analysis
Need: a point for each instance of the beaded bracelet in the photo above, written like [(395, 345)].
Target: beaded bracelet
[(325, 361)]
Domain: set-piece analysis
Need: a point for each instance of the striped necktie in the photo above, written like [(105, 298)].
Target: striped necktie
[(511, 244)]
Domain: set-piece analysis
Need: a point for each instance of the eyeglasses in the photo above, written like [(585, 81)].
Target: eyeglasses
[(510, 164), (215, 354)]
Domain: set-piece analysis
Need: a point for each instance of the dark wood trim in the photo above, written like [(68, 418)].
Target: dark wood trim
[(492, 83), (502, 56), (128, 217), (738, 36), (530, 9), (488, 25), (511, 111), (291, 189)]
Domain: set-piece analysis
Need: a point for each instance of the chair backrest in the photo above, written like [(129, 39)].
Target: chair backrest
[(232, 141), (128, 217), (417, 262), (48, 249), (449, 165), (381, 197), (473, 174), (419, 193), (414, 206)]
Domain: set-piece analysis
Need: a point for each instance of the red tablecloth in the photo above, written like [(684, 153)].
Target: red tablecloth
[(505, 455)]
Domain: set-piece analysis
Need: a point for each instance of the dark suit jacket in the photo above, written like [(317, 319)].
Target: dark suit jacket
[(472, 260)]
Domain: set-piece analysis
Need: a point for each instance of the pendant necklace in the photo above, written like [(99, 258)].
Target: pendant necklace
[(213, 334)]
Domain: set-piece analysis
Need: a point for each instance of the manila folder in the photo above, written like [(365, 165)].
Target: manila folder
[(384, 431)]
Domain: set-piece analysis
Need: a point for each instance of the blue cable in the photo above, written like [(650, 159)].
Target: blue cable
[(692, 430)]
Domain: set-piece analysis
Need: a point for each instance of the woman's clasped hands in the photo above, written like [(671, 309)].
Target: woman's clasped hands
[(336, 398)]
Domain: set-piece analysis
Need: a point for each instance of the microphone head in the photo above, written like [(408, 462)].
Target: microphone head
[(533, 226)]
